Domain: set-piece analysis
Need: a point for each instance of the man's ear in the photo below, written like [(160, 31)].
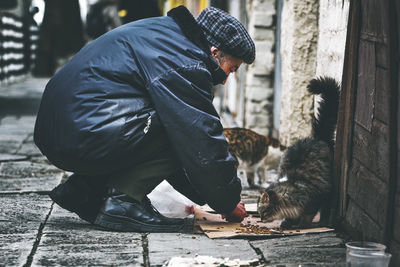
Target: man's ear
[(214, 51)]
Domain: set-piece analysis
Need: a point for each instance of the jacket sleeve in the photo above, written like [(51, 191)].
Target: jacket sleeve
[(181, 184), (183, 100)]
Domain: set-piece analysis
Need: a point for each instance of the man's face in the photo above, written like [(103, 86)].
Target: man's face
[(226, 62)]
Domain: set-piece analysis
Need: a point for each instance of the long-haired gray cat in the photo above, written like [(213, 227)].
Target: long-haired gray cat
[(305, 169)]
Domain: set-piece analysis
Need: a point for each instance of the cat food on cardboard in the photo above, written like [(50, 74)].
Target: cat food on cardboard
[(254, 229)]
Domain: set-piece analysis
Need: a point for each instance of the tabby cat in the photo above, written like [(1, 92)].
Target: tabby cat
[(305, 169), (250, 149)]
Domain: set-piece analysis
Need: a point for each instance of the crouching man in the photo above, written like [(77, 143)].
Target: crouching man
[(134, 107)]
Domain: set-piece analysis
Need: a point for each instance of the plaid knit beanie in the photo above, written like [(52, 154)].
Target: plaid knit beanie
[(227, 34)]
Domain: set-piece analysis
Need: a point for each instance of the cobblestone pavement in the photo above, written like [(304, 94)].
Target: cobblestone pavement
[(36, 232)]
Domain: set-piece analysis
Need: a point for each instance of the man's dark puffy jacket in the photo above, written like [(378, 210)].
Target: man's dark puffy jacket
[(150, 76)]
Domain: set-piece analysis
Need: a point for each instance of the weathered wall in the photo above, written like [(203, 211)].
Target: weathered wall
[(333, 19), (259, 80), (333, 16), (299, 51)]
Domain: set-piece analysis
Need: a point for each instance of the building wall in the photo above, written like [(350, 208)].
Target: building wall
[(333, 19), (18, 43), (333, 16), (259, 80), (299, 52), (234, 89)]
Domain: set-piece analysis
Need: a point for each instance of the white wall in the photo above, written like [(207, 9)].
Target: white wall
[(333, 17), (299, 37)]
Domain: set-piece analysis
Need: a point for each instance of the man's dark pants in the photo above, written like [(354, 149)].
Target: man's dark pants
[(85, 190), (135, 175)]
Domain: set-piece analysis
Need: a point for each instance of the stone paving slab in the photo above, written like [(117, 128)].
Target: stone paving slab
[(15, 124), (162, 247), (70, 241), (16, 135), (30, 87), (20, 219), (30, 184), (23, 213), (9, 144), (324, 249), (22, 97), (29, 149), (40, 159), (11, 157), (15, 248), (21, 169)]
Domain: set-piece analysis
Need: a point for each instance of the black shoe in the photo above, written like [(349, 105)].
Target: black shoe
[(123, 213), (77, 196)]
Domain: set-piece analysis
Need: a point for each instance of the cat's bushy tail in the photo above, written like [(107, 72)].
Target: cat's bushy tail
[(325, 124)]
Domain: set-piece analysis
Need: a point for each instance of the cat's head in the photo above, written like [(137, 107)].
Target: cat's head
[(268, 206)]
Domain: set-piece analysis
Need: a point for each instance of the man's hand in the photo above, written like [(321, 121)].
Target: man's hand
[(237, 215)]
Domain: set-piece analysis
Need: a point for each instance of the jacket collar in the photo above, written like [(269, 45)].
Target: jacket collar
[(193, 32)]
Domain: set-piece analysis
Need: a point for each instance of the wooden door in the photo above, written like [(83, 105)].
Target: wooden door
[(367, 147)]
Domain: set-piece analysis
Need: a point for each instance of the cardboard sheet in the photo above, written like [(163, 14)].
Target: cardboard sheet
[(216, 227)]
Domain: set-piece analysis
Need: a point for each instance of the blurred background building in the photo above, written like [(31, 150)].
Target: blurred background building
[(18, 40), (295, 41)]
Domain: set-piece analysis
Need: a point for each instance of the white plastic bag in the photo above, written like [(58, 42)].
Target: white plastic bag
[(170, 202)]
